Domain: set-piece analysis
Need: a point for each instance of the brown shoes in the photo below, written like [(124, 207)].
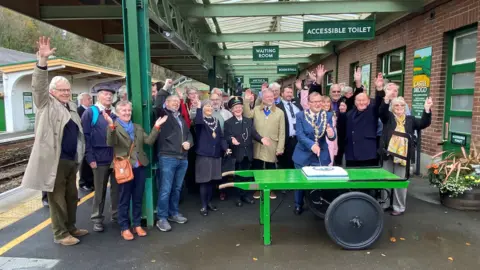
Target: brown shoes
[(256, 195), (127, 235), (79, 233), (140, 231), (67, 241)]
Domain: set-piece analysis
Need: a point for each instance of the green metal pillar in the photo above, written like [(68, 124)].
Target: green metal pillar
[(137, 65), (212, 75)]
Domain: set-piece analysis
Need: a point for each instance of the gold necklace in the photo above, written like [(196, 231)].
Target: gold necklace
[(309, 117)]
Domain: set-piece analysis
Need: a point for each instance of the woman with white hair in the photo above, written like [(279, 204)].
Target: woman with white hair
[(397, 121), (127, 140)]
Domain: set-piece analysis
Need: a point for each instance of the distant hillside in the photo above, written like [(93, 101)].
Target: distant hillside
[(19, 32)]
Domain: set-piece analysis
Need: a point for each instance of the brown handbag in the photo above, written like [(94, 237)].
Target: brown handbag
[(123, 168)]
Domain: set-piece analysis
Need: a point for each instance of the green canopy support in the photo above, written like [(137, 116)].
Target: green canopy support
[(137, 63)]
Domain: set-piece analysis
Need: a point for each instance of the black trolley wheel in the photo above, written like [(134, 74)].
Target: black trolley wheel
[(354, 221)]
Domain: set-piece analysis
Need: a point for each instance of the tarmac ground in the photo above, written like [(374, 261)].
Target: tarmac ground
[(427, 236)]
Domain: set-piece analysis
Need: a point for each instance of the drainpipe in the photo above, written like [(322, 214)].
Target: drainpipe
[(336, 62)]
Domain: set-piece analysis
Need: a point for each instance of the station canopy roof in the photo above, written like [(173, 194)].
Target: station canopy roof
[(190, 36)]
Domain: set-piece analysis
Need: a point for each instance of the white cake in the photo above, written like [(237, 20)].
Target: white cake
[(325, 172)]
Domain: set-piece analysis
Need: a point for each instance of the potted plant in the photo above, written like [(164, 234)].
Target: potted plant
[(457, 176)]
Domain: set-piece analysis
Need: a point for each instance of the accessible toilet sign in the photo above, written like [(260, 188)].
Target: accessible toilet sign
[(339, 30), (265, 53)]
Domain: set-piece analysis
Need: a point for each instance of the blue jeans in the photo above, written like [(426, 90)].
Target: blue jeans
[(131, 190), (171, 172), (299, 194)]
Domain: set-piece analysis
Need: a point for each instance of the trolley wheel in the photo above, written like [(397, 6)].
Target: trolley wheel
[(318, 200), (354, 220)]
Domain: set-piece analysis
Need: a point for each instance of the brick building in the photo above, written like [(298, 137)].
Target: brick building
[(450, 28)]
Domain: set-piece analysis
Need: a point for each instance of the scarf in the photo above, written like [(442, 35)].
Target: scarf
[(397, 144), (130, 129)]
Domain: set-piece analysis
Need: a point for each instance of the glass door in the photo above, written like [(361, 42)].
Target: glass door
[(459, 89)]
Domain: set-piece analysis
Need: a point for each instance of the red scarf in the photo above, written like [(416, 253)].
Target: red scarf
[(184, 113)]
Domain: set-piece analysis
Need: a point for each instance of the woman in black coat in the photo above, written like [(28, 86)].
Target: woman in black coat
[(211, 146), (396, 120)]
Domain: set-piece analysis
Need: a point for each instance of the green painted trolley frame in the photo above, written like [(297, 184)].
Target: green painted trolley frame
[(293, 179)]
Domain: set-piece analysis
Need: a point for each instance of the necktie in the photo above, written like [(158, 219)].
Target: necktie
[(266, 110), (108, 111), (290, 108)]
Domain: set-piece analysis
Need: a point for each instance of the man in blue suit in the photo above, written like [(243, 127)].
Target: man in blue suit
[(313, 127)]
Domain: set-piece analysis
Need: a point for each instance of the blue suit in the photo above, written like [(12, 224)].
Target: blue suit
[(303, 155)]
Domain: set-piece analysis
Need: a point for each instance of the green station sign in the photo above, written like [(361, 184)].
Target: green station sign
[(256, 83), (339, 30), (238, 79), (458, 139), (292, 69), (265, 53)]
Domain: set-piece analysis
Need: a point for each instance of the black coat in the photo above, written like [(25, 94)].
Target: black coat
[(81, 110), (360, 137), (411, 124), (235, 128), (169, 141), (281, 106)]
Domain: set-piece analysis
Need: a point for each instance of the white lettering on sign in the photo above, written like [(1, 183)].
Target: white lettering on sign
[(269, 50), (343, 30)]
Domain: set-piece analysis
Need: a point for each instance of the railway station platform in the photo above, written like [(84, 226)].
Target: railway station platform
[(11, 137), (428, 236)]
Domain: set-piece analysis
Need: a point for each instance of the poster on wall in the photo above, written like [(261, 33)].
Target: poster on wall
[(27, 103), (366, 78), (422, 62)]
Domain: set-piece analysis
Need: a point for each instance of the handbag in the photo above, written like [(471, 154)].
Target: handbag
[(123, 168), (228, 163)]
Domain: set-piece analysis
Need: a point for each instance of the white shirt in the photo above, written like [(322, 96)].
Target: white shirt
[(291, 120)]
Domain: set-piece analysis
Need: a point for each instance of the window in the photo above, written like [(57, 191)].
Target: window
[(393, 67), (328, 81), (460, 85)]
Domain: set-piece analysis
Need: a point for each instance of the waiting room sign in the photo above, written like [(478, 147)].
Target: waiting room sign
[(339, 30), (265, 53)]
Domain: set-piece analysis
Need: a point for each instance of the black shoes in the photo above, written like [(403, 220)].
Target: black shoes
[(204, 211), (212, 207), (298, 211)]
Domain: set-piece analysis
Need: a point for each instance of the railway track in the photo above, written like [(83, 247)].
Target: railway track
[(12, 170)]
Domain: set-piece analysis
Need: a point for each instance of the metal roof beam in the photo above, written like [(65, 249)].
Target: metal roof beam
[(252, 67), (300, 8), (118, 39), (301, 50), (168, 53), (87, 12), (252, 37), (290, 61)]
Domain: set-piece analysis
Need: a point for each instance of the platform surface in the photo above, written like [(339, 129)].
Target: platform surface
[(229, 239)]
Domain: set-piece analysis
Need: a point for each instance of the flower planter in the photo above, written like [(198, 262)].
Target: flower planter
[(469, 200)]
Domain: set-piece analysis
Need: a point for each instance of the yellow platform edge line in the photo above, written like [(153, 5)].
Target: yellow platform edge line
[(35, 229)]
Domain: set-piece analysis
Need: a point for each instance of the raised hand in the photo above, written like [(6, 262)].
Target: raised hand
[(358, 75), (234, 141), (161, 120), (428, 104), (249, 95), (44, 50), (311, 76), (265, 141), (343, 107), (379, 82), (179, 92), (107, 118), (330, 132), (298, 84), (320, 71), (168, 83)]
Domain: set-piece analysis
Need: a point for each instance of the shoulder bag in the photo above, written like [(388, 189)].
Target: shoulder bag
[(123, 168)]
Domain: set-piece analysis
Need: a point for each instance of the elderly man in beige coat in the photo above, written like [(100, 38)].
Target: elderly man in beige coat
[(269, 121), (58, 148)]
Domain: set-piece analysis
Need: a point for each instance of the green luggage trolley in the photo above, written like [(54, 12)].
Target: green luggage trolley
[(354, 215)]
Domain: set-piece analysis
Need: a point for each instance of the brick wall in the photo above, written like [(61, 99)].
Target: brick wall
[(416, 33)]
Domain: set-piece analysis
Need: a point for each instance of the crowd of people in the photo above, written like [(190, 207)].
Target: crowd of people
[(197, 140)]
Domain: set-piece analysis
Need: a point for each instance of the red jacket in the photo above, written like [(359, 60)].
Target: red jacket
[(184, 112)]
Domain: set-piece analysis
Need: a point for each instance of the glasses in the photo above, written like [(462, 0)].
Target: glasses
[(335, 92), (63, 90)]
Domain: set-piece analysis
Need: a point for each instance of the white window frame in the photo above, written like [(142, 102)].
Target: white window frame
[(455, 47), (390, 61)]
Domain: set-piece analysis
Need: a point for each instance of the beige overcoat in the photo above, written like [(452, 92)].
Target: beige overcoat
[(50, 119), (272, 127)]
